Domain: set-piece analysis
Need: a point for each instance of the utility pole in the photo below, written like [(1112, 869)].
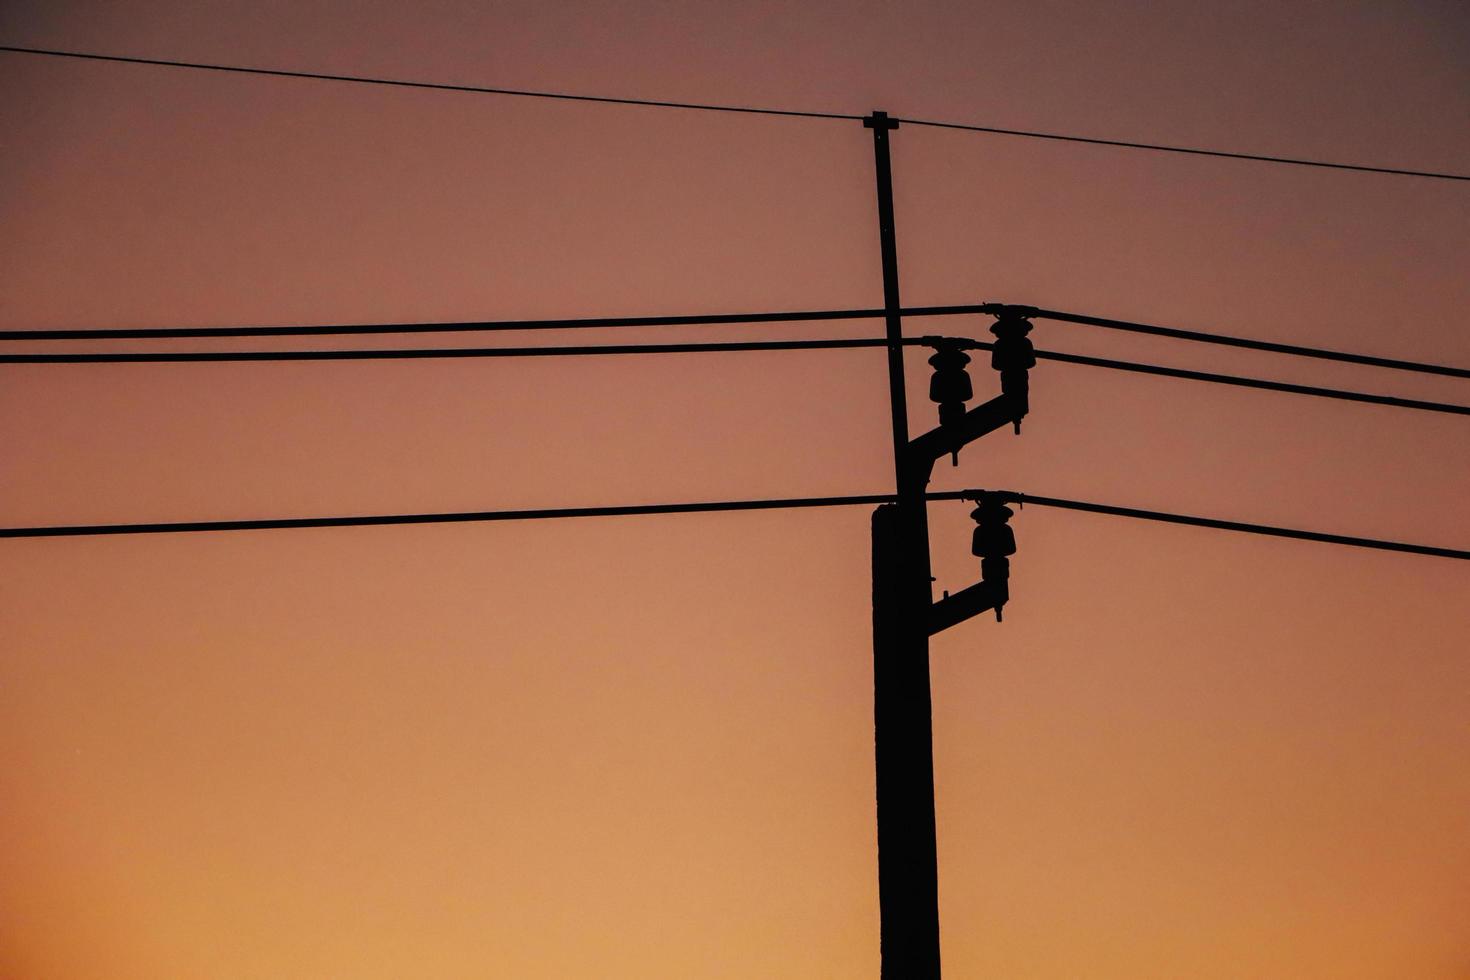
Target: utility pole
[(904, 611)]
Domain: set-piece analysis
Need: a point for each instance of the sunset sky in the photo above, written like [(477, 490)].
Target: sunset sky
[(642, 747)]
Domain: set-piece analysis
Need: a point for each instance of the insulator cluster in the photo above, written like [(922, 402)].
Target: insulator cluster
[(950, 386), (993, 543), (1013, 356)]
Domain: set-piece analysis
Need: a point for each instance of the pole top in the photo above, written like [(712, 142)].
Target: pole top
[(879, 120)]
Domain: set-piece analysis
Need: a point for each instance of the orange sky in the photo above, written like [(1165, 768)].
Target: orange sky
[(642, 747)]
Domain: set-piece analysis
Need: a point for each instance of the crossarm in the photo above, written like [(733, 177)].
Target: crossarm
[(973, 601), (942, 440)]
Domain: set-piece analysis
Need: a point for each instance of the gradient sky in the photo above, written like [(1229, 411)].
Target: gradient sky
[(642, 747)]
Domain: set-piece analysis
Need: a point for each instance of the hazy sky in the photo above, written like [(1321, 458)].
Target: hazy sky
[(642, 747)]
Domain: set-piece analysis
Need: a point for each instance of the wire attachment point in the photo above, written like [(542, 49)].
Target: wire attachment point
[(1013, 356), (994, 542)]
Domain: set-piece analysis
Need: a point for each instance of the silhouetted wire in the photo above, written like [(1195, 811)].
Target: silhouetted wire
[(1230, 379), (403, 83), (376, 520), (1269, 346), (1193, 151), (439, 86), (160, 357), (705, 319), (164, 357), (636, 510), (1216, 524), (469, 326)]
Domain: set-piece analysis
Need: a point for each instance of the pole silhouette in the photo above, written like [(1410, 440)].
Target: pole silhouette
[(908, 876), (905, 614)]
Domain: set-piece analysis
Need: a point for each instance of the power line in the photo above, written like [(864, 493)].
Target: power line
[(1217, 524), (704, 507), (378, 520), (439, 86), (709, 319), (467, 326), (1193, 151), (131, 357), (710, 107), (1229, 341), (1259, 383)]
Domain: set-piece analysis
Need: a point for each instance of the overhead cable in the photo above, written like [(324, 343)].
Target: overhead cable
[(465, 326), (786, 503), (164, 357), (1220, 525), (709, 319), (1192, 151), (1259, 383), (439, 86), (1244, 342), (711, 107), (161, 357), (378, 520)]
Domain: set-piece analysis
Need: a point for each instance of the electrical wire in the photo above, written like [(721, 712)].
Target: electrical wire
[(468, 326), (1197, 336), (707, 319), (1193, 151), (1219, 525), (637, 510), (438, 86), (1259, 383), (404, 83), (132, 357), (378, 520)]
